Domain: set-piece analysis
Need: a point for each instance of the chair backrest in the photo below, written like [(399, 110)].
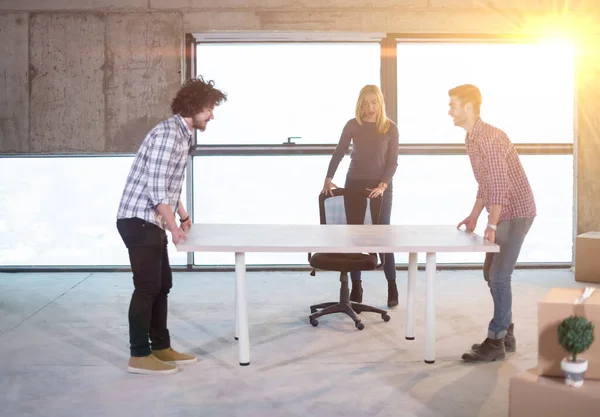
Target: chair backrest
[(349, 206)]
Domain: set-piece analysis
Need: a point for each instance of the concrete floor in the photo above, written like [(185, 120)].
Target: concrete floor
[(64, 344)]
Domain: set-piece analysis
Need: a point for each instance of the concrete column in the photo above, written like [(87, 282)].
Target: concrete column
[(588, 143)]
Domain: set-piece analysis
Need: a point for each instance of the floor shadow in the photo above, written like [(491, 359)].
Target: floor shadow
[(479, 382)]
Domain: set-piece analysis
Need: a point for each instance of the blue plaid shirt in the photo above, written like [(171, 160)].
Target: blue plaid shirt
[(157, 173)]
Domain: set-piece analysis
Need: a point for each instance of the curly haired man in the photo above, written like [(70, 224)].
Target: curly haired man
[(150, 199)]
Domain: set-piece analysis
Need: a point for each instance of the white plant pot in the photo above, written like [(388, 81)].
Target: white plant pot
[(574, 371)]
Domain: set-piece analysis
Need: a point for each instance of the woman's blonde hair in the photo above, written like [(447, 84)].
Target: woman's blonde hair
[(382, 122)]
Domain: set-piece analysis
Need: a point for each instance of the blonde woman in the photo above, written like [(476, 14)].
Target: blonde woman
[(374, 160)]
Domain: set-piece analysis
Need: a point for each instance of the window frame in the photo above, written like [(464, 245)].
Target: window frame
[(388, 68)]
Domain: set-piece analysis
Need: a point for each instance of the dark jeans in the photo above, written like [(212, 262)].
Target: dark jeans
[(498, 269), (389, 264), (152, 280)]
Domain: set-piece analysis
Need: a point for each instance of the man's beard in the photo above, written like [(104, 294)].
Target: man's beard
[(199, 126)]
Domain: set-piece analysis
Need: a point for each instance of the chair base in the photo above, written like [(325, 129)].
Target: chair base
[(344, 305)]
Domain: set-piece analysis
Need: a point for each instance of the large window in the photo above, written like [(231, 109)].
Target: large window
[(528, 90), (428, 189), (281, 90), (62, 212)]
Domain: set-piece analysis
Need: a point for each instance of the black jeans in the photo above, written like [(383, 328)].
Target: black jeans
[(389, 265), (152, 280)]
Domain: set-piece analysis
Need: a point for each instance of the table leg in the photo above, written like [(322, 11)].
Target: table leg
[(237, 332), (241, 311), (410, 296), (430, 309)]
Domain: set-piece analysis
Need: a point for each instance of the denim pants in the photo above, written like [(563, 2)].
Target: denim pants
[(498, 269), (152, 281), (389, 264)]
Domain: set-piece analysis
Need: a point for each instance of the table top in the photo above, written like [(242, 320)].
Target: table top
[(331, 238)]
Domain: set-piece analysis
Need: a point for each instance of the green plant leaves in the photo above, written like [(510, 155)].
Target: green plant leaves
[(575, 334)]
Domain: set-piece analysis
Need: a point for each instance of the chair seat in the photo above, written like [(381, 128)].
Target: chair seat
[(344, 262)]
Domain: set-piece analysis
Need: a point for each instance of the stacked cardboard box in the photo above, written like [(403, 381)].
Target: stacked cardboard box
[(556, 306), (534, 395), (542, 390), (587, 257)]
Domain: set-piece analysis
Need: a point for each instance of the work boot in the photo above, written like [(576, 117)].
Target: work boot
[(392, 294), (510, 342), (174, 357), (490, 350), (150, 365), (357, 291)]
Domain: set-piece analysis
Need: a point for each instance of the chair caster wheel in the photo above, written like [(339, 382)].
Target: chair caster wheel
[(314, 322), (360, 326), (385, 317)]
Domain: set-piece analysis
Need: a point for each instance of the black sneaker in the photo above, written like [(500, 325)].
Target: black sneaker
[(357, 292), (392, 294)]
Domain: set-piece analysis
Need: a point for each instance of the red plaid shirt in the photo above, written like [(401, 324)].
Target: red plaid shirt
[(499, 173)]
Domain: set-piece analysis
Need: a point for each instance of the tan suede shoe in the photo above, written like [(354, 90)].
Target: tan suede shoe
[(174, 357), (150, 365)]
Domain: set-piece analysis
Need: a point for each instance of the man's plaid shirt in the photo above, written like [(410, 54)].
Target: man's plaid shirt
[(157, 173), (499, 173)]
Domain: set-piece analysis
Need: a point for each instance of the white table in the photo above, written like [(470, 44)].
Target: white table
[(242, 238)]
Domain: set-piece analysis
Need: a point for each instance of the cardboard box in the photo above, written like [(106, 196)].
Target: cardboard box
[(533, 395), (587, 257), (557, 305)]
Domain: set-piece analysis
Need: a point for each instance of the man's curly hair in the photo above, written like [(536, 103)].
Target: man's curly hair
[(194, 95)]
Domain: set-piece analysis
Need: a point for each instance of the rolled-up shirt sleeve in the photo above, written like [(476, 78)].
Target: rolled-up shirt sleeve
[(494, 155), (159, 164)]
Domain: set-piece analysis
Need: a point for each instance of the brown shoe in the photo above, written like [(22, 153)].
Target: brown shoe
[(490, 350), (172, 356), (150, 365), (510, 342)]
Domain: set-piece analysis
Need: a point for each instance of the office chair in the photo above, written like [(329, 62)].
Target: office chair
[(346, 206)]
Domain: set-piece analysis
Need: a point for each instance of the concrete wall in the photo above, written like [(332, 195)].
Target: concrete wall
[(88, 76), (86, 81), (14, 79), (143, 70)]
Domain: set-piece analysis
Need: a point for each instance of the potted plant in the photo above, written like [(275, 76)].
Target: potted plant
[(575, 334)]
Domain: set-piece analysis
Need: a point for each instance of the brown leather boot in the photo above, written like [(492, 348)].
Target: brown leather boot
[(510, 342), (490, 350), (357, 291), (392, 294)]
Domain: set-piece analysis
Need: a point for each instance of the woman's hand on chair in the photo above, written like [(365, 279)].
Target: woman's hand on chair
[(328, 185)]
